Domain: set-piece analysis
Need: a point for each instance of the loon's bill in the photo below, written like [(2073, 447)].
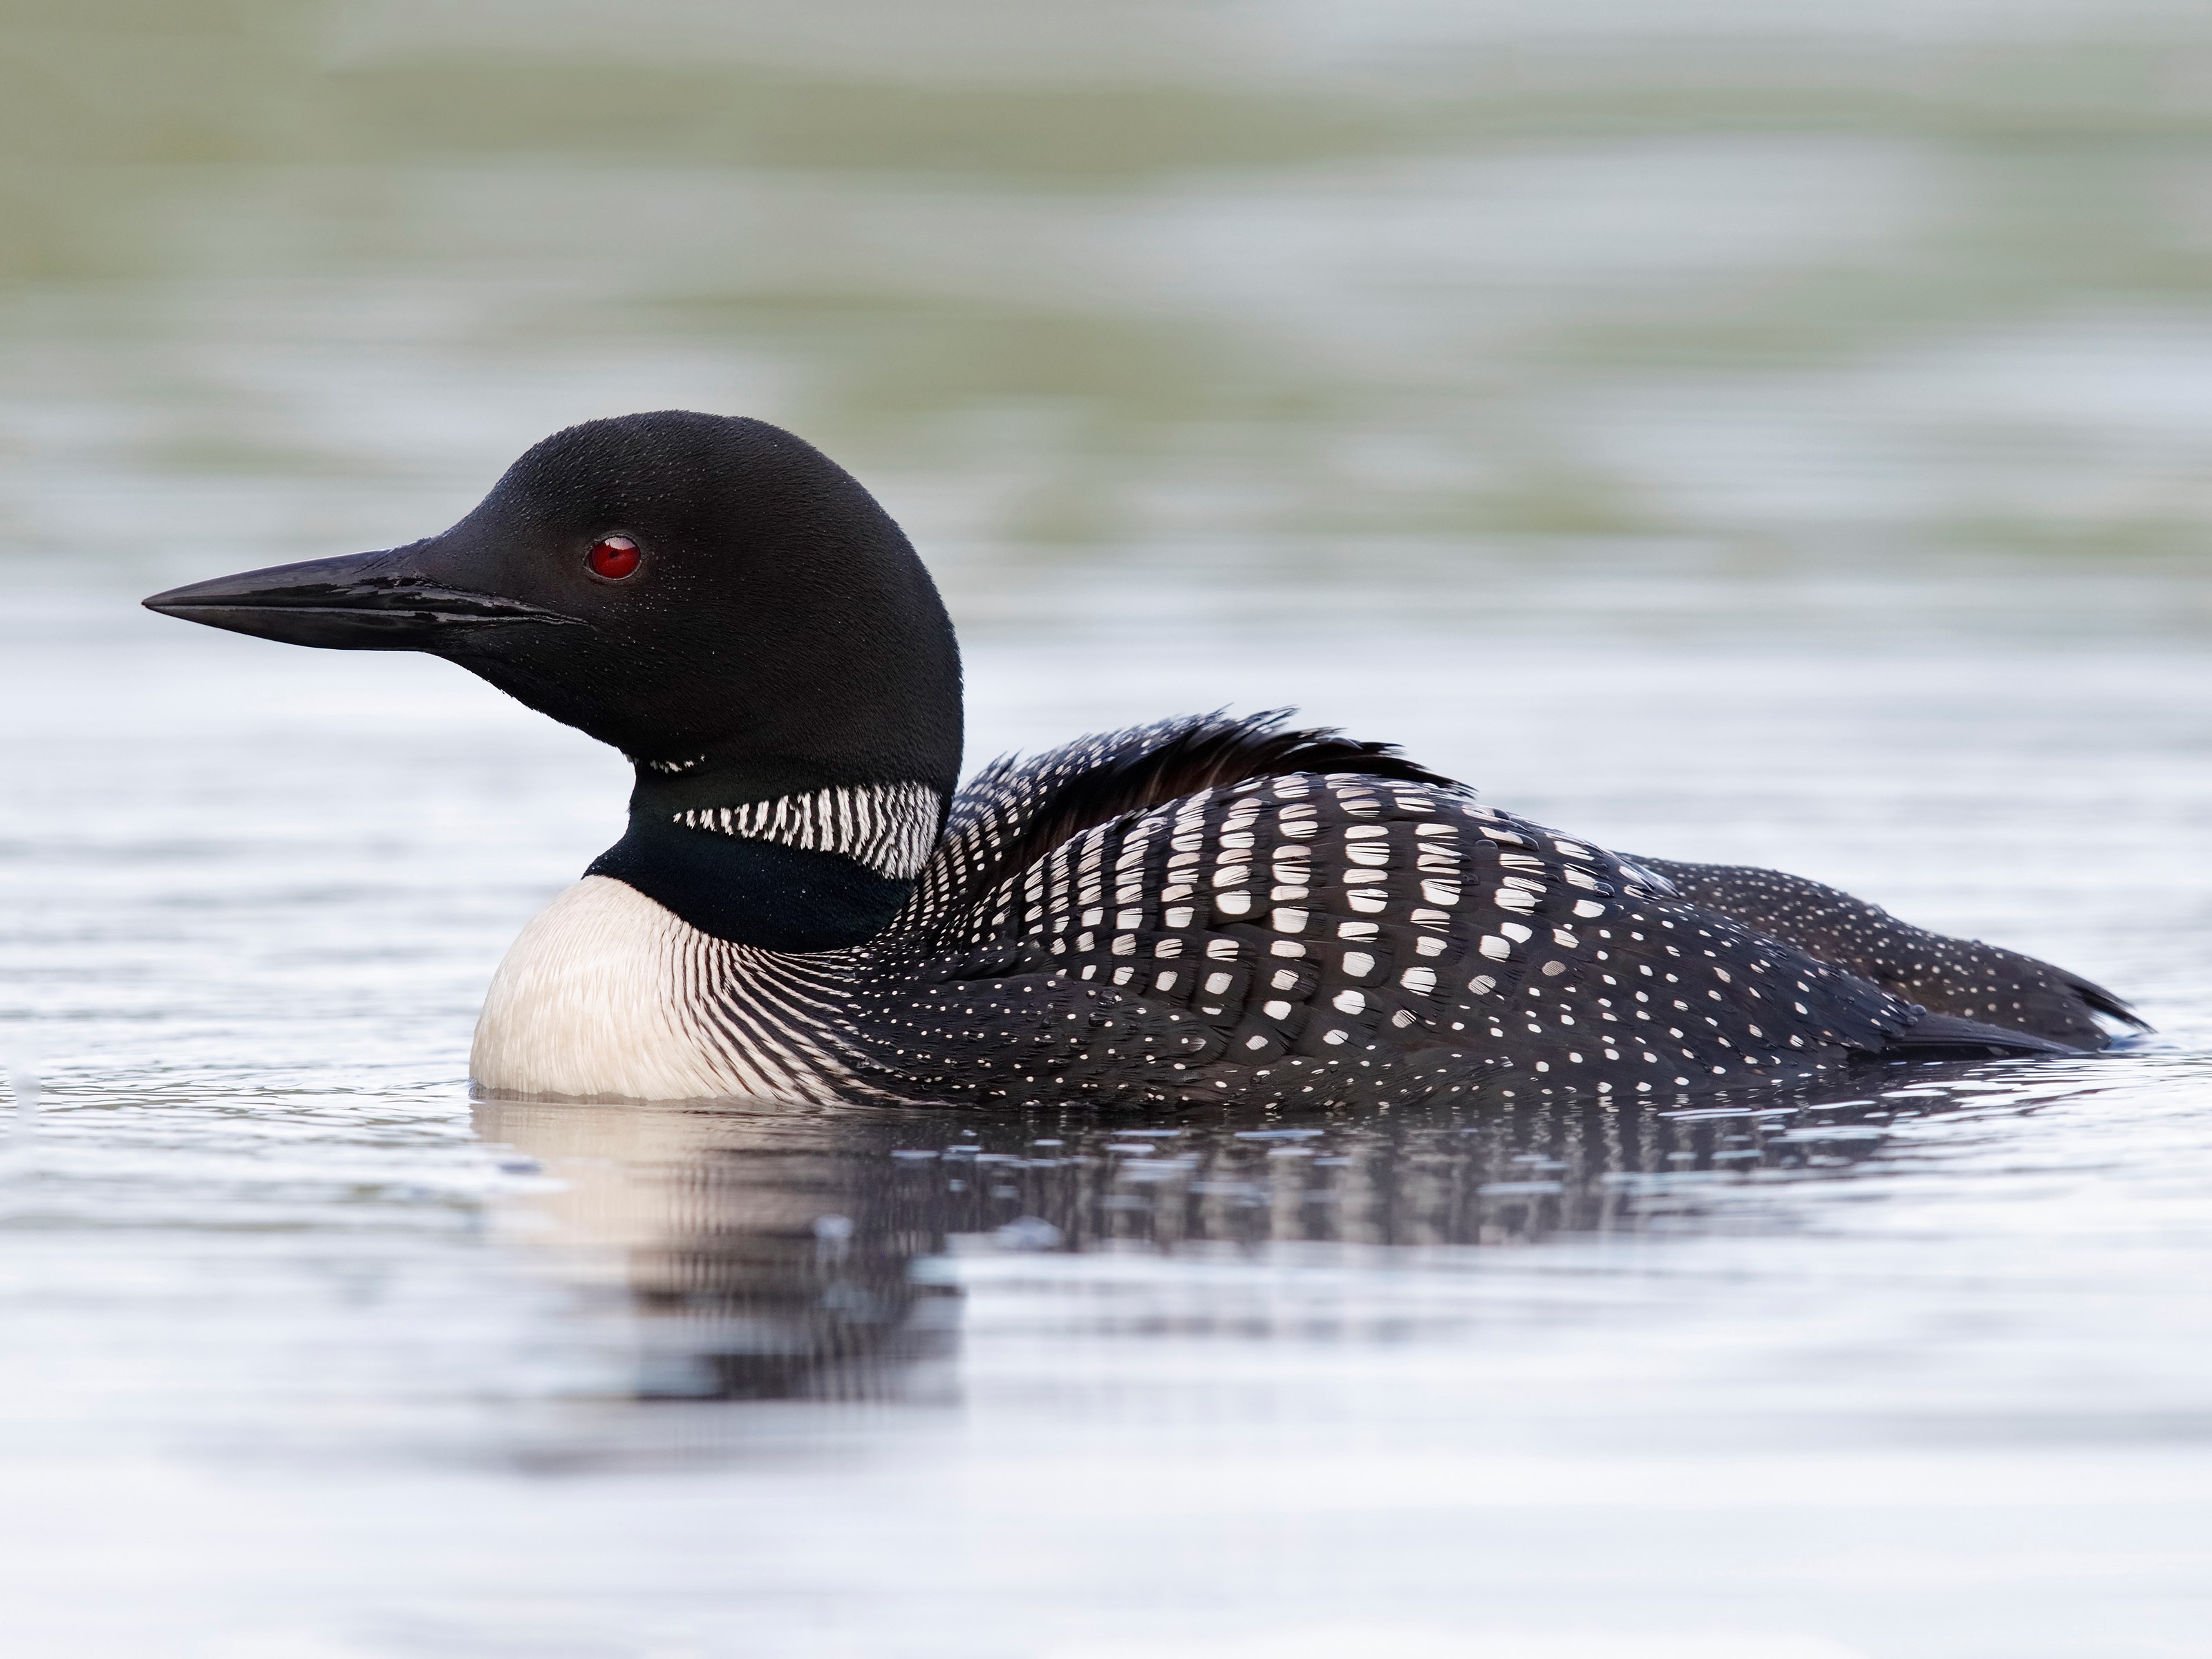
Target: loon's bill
[(366, 602), (805, 905)]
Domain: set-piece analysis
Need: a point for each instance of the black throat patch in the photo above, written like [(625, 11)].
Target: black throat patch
[(753, 892)]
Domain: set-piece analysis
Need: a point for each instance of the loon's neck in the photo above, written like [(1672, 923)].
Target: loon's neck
[(773, 853)]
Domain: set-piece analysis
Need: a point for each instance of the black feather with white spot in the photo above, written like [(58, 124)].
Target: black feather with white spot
[(1338, 935)]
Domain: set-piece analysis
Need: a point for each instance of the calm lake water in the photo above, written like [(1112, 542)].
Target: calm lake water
[(1724, 432)]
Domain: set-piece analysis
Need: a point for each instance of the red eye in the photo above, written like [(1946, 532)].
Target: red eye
[(613, 557)]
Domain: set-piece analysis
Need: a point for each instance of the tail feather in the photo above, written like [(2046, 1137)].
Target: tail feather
[(2100, 1000)]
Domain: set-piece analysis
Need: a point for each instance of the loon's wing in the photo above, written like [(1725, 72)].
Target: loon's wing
[(1972, 981), (1217, 908), (1339, 935)]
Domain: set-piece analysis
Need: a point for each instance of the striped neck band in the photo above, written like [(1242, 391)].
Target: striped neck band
[(889, 827)]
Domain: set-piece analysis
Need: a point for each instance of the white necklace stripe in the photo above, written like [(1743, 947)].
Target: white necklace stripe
[(890, 827)]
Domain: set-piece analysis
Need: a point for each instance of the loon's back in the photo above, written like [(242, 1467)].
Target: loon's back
[(1366, 934)]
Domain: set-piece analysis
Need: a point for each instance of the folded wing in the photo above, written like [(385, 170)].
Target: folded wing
[(1962, 977)]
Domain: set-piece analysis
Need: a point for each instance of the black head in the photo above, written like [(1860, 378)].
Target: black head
[(771, 609), (711, 595)]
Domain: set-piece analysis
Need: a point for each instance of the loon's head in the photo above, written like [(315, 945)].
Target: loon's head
[(711, 595)]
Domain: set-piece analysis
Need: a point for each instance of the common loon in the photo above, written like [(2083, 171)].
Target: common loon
[(805, 907)]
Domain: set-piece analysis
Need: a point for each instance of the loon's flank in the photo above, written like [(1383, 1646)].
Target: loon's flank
[(806, 907)]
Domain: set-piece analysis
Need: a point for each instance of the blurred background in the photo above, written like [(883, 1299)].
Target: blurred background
[(1745, 429), (1654, 300)]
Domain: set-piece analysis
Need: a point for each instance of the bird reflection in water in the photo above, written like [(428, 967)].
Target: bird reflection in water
[(764, 1252), (782, 1253)]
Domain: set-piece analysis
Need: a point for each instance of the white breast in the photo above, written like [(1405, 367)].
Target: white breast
[(610, 994)]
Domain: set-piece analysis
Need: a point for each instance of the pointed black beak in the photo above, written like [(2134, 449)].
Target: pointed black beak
[(366, 602)]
